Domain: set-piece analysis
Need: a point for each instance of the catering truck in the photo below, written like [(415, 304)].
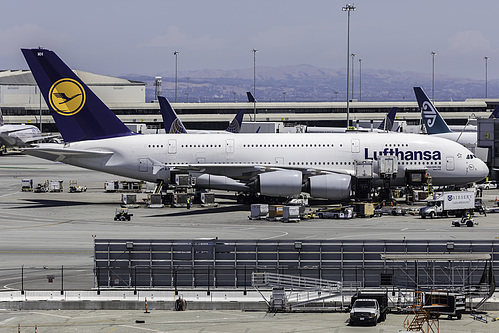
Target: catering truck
[(458, 203), (368, 308)]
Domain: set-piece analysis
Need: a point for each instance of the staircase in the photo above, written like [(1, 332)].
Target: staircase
[(297, 291)]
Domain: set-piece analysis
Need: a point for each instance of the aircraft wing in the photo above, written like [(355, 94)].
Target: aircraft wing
[(250, 172), (57, 152)]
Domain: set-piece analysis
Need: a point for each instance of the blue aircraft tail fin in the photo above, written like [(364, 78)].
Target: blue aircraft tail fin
[(495, 113), (173, 125), (433, 122), (78, 113), (389, 119), (251, 99), (236, 123)]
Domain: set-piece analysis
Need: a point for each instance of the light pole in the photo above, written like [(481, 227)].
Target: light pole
[(433, 76), (353, 76), (348, 8), (188, 77), (254, 83), (175, 53), (360, 80), (486, 59), (284, 96)]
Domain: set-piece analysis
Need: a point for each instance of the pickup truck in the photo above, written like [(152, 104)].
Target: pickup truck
[(368, 308)]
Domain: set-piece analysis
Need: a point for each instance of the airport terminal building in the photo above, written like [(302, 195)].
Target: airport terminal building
[(21, 103)]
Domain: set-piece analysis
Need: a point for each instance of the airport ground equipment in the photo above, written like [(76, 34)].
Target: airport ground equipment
[(364, 209), (455, 302), (425, 312), (368, 308), (122, 215), (291, 214), (458, 203), (464, 221), (27, 185), (291, 292), (55, 186), (259, 211), (42, 187), (340, 212), (75, 188)]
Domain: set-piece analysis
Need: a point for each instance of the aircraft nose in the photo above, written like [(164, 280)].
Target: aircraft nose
[(481, 170)]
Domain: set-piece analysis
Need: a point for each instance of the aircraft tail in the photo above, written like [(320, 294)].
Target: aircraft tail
[(173, 125), (251, 99), (495, 113), (236, 123), (389, 119), (78, 113), (433, 122)]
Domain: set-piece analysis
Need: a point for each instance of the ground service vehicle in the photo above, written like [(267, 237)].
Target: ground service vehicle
[(368, 308), (458, 203)]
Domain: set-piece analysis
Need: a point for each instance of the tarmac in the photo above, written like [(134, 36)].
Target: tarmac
[(48, 231)]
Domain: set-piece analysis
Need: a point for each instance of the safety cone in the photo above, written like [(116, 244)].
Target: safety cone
[(147, 311)]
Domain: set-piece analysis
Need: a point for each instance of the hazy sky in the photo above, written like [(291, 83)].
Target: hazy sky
[(117, 37)]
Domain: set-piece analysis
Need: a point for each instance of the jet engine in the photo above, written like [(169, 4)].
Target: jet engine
[(331, 186), (282, 183)]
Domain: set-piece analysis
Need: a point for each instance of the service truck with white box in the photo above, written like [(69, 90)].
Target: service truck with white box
[(458, 203)]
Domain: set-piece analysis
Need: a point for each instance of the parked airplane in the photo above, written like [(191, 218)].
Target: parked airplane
[(435, 125), (471, 125), (273, 165), (389, 120), (19, 135), (174, 125)]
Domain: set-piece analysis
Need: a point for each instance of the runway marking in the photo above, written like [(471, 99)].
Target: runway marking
[(7, 320), (142, 328), (37, 226), (404, 229), (52, 315), (284, 234)]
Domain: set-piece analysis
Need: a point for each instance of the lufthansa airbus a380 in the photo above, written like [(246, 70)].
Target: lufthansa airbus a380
[(322, 164)]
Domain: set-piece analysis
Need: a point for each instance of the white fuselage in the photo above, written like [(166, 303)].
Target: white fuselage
[(240, 156), (18, 135)]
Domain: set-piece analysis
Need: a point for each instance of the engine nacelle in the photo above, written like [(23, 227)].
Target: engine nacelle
[(330, 186), (282, 183)]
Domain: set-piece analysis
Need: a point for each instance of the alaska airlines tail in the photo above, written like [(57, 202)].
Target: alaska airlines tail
[(251, 99), (390, 118), (495, 113), (173, 125), (78, 113), (434, 123), (236, 123)]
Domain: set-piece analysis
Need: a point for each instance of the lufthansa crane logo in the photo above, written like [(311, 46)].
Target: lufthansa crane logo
[(67, 97)]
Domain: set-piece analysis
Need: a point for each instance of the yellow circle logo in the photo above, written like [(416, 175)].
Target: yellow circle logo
[(67, 97)]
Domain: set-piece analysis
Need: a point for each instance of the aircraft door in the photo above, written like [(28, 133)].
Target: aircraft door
[(229, 146), (172, 146), (355, 146), (143, 164), (449, 163), (279, 160)]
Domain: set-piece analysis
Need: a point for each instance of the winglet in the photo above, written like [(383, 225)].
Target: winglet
[(79, 114), (433, 121), (389, 119), (236, 123), (173, 125)]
